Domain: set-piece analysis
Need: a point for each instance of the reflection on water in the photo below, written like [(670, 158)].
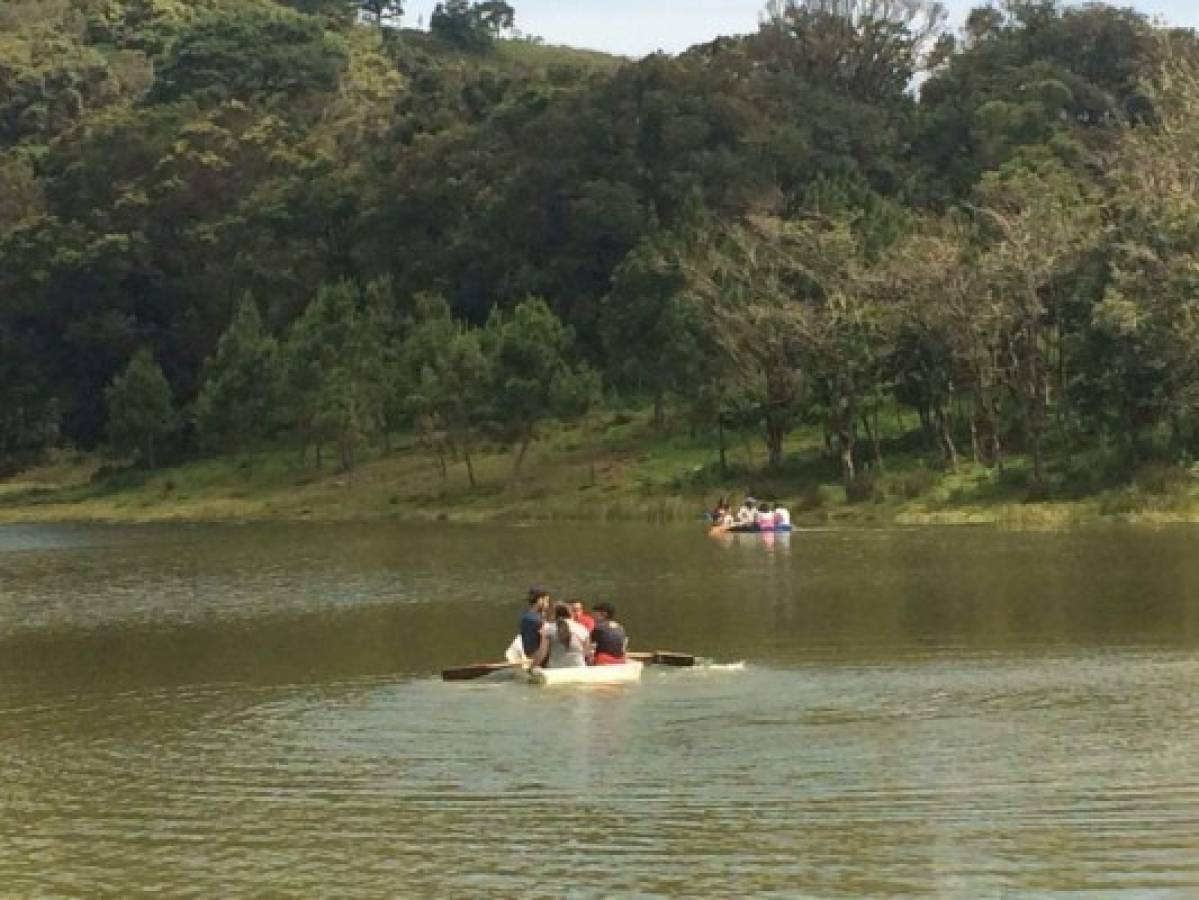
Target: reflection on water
[(767, 541), (233, 711)]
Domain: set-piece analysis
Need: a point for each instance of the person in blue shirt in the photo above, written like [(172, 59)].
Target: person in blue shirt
[(533, 620)]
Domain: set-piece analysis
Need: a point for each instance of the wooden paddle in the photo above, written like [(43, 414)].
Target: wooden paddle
[(667, 658), (479, 670), (664, 658)]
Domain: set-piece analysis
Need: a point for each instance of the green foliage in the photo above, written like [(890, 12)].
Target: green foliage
[(141, 410), (765, 233), (531, 352), (334, 373), (471, 25), (250, 55), (1032, 73), (236, 404)]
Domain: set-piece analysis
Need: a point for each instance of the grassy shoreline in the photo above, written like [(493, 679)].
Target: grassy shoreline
[(613, 470)]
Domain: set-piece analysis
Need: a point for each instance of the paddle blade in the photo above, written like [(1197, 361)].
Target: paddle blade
[(470, 673), (664, 658), (667, 658)]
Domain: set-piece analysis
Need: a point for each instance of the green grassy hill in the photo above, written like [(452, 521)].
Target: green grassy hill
[(612, 468)]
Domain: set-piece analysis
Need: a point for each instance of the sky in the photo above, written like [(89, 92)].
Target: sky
[(637, 27)]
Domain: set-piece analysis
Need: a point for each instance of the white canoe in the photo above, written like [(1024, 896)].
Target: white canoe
[(622, 674)]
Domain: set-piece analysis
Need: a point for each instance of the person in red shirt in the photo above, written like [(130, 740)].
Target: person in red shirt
[(608, 637), (579, 614)]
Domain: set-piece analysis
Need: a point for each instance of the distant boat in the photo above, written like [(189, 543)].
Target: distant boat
[(749, 528)]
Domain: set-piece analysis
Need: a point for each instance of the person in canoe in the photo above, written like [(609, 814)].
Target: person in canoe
[(720, 517), (608, 637), (782, 518), (528, 639), (764, 517), (579, 613), (564, 642)]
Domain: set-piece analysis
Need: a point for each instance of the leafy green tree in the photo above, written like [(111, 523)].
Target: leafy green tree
[(944, 339), (1032, 72), (236, 405), (868, 48), (645, 322), (472, 26), (1137, 366), (141, 409), (1043, 220), (447, 381), (334, 374), (530, 351), (251, 54), (743, 278)]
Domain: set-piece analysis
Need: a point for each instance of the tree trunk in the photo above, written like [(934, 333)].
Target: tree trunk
[(439, 449), (470, 467), (1038, 466), (1035, 385), (926, 425), (749, 449), (724, 463), (774, 443), (974, 447), (526, 438), (659, 414), (848, 472), (949, 449), (870, 424)]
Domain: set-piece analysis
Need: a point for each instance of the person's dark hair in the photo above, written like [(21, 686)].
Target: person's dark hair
[(606, 608), (562, 615)]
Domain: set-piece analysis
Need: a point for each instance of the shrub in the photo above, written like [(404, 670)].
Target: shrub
[(812, 497), (917, 483), (1012, 478), (1161, 479), (861, 488)]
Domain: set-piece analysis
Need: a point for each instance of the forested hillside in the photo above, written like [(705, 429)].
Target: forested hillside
[(227, 224)]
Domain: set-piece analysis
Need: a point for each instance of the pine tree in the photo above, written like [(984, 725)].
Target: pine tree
[(141, 411)]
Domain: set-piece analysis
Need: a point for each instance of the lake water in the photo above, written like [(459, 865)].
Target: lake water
[(256, 711)]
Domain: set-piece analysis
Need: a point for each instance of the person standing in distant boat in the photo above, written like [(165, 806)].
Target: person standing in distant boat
[(533, 620), (764, 517), (745, 515), (563, 642), (608, 637), (782, 518)]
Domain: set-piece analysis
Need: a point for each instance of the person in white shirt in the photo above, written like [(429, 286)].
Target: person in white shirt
[(563, 642), (745, 515)]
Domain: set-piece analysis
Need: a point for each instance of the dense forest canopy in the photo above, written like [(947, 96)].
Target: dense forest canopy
[(250, 221)]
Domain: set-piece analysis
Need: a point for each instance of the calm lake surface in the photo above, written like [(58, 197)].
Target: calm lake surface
[(256, 710)]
